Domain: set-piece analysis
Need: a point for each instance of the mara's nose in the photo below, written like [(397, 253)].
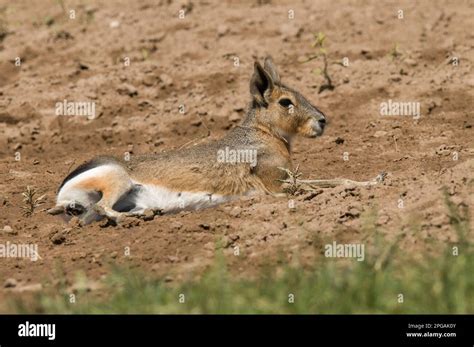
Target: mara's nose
[(322, 122)]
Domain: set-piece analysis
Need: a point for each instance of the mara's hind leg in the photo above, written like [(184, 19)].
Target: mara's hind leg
[(92, 194), (112, 187)]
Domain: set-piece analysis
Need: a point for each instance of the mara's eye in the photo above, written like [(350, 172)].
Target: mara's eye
[(285, 102)]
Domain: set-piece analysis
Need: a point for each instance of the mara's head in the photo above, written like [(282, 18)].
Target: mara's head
[(280, 108)]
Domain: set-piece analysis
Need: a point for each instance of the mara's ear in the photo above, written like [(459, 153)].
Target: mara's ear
[(270, 67), (261, 85)]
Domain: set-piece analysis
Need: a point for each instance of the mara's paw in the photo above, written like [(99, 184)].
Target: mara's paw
[(149, 214), (109, 214), (56, 210)]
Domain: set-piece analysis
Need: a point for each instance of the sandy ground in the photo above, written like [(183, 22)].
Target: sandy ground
[(190, 61)]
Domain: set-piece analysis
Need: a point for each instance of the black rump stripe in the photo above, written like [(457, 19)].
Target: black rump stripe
[(88, 166)]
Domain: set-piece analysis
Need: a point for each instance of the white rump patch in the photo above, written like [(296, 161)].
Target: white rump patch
[(70, 194), (168, 201)]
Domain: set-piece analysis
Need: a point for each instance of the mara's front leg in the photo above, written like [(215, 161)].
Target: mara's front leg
[(269, 172)]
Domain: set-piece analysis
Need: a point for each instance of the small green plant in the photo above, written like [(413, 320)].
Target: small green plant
[(321, 52), (395, 52), (145, 53), (3, 31), (90, 15), (62, 5), (3, 24), (31, 202), (458, 217), (48, 21)]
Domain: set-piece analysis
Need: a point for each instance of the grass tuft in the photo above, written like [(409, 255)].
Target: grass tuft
[(31, 202)]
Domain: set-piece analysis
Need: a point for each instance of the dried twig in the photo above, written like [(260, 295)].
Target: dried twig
[(295, 184)]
